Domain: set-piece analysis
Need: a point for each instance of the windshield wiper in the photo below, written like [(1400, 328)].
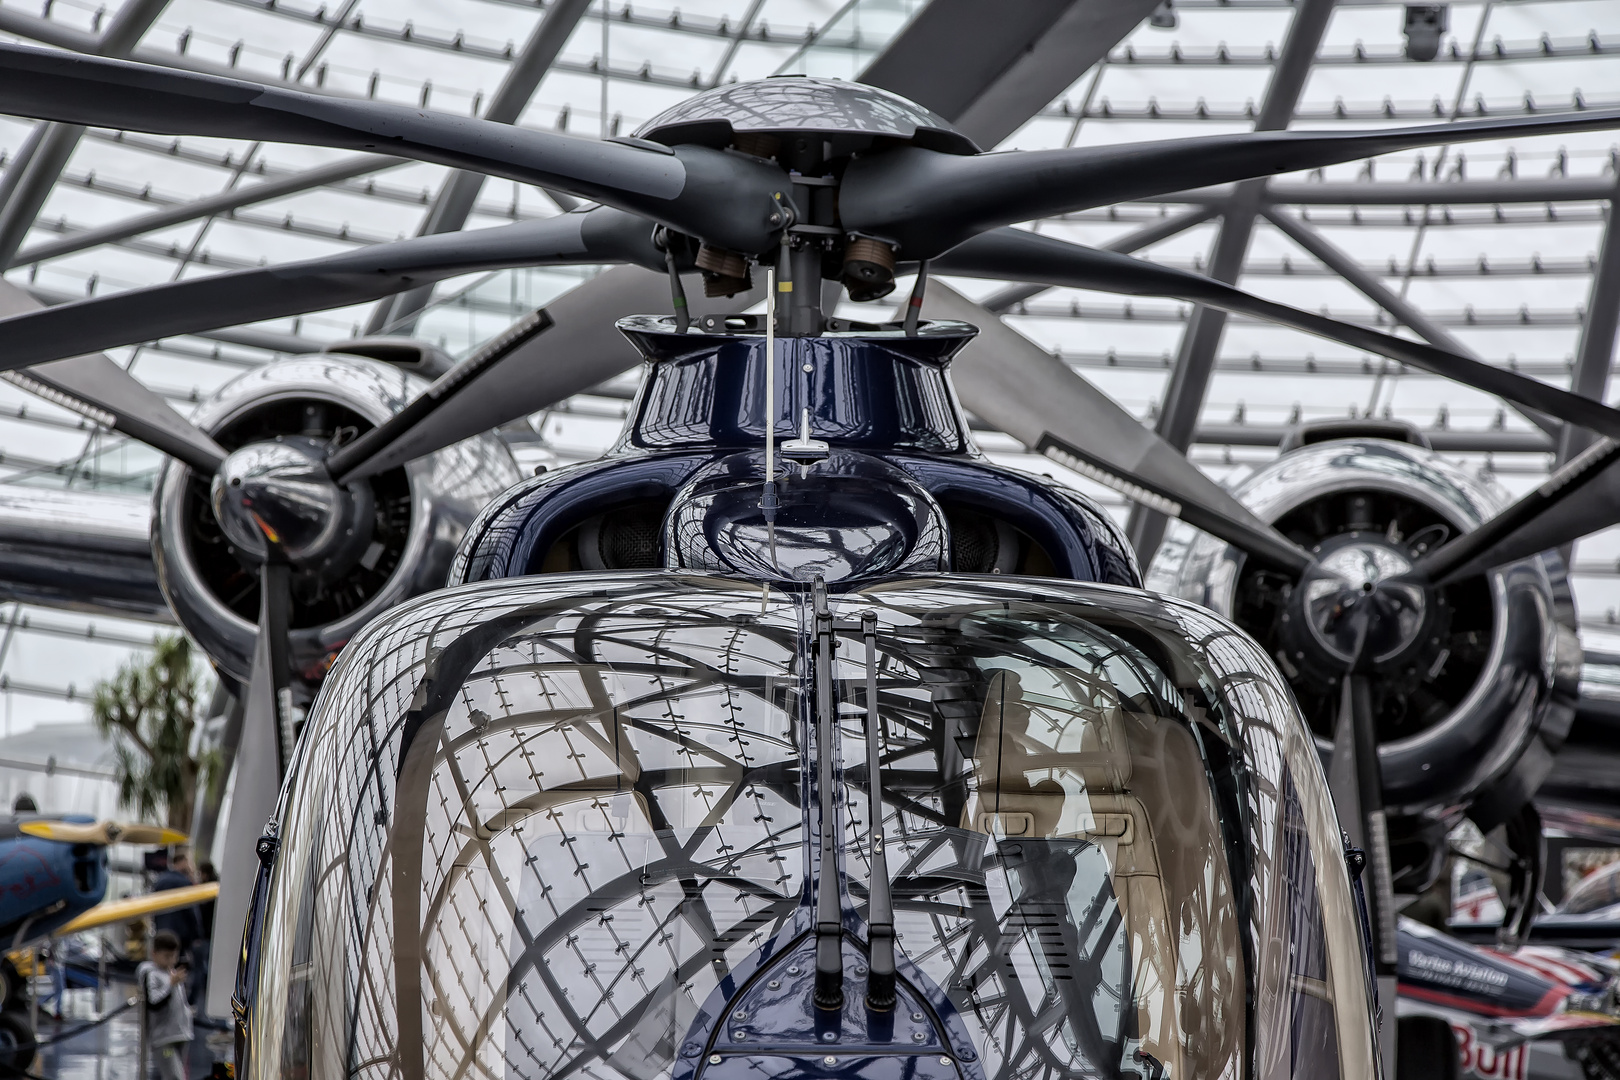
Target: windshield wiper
[(829, 992), (880, 909), (880, 985)]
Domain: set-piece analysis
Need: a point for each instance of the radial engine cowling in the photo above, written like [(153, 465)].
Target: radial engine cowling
[(1474, 693), (409, 522)]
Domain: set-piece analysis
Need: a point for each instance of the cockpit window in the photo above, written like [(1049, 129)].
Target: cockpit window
[(538, 829), (1073, 819)]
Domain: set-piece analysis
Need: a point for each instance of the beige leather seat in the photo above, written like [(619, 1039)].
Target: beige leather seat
[(1027, 788)]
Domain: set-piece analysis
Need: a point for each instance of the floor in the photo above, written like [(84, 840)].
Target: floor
[(108, 1051)]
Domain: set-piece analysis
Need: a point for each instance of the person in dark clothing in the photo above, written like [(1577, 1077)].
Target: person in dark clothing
[(202, 949), (183, 924)]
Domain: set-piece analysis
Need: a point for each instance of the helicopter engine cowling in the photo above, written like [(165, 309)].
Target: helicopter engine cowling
[(396, 542), (1473, 694)]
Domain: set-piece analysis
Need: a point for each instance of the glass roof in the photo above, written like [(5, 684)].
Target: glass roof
[(1511, 281)]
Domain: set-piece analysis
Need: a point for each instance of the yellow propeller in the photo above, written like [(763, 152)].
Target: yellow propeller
[(102, 832), (136, 907)]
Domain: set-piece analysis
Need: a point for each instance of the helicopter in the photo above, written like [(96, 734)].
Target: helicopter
[(1015, 723)]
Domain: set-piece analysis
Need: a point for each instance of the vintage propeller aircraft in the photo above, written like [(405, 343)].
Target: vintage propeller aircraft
[(53, 877), (852, 755)]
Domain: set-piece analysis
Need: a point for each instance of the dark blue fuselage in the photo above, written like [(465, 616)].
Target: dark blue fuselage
[(881, 394), (45, 883)]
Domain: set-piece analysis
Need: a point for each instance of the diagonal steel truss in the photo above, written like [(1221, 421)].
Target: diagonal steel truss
[(275, 200)]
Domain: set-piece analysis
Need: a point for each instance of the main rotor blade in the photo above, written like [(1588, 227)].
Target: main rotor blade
[(1016, 385), (582, 349), (1548, 517), (98, 389), (929, 201), (1017, 255), (724, 198), (185, 307)]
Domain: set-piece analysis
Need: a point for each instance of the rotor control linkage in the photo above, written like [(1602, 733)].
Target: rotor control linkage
[(880, 911), (829, 991), (664, 241)]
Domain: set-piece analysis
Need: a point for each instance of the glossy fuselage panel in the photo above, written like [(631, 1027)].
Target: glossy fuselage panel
[(880, 393), (45, 883), (569, 825)]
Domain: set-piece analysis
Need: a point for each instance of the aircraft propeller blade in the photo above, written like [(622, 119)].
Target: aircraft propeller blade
[(599, 235), (138, 833), (1023, 390), (98, 389), (1546, 518), (1356, 737), (726, 199), (102, 832), (135, 907), (928, 201), (353, 462), (1018, 255), (266, 737)]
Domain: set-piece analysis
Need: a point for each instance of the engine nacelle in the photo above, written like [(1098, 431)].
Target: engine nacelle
[(1471, 716), (418, 515)]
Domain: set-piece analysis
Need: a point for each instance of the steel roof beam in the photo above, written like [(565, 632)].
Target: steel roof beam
[(1375, 290), (1172, 311), (223, 203), (27, 182), (1152, 109), (178, 150), (1189, 383), (1005, 61), (1445, 441), (1500, 52), (1409, 193), (1456, 193), (459, 194), (1594, 355)]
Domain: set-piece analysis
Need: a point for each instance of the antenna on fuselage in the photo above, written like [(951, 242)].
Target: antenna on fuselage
[(768, 502)]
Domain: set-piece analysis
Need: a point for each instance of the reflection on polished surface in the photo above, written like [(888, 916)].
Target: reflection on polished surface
[(281, 491), (849, 516), (551, 827), (1460, 671), (879, 390), (1360, 571), (110, 1051), (364, 549), (798, 103)]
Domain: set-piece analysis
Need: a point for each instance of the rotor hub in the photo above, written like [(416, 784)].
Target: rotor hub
[(1361, 584), (280, 493)]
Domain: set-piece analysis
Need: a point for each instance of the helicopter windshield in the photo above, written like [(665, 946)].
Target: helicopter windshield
[(537, 833)]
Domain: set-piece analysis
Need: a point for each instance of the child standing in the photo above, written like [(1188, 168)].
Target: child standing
[(162, 981)]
